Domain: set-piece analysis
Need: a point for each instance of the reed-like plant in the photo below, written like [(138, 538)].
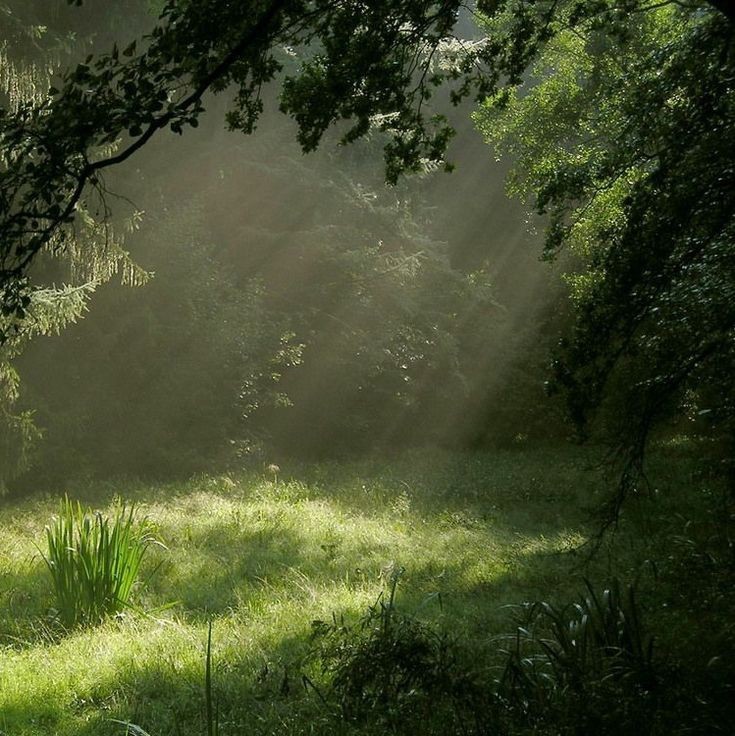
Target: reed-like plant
[(94, 560), (601, 635), (590, 664)]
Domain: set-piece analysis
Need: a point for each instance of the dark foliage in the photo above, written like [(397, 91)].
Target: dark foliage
[(392, 672), (582, 668), (649, 113)]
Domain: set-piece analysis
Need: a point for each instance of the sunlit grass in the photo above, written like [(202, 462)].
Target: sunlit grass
[(264, 557)]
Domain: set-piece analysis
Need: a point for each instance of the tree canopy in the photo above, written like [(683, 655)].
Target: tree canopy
[(624, 137), (371, 64), (626, 144), (360, 61)]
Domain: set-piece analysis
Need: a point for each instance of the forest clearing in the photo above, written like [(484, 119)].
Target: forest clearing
[(366, 367), (473, 535)]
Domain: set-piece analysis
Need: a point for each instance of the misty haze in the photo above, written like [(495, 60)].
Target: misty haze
[(366, 367)]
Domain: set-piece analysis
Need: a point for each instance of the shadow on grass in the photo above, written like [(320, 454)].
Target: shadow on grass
[(223, 568), (498, 500), (257, 682), (168, 700), (227, 565), (516, 509), (494, 508), (26, 602)]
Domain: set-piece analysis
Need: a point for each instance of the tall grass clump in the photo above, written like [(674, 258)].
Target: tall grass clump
[(94, 560), (584, 668)]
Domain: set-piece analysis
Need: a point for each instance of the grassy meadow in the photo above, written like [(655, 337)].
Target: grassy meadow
[(263, 555)]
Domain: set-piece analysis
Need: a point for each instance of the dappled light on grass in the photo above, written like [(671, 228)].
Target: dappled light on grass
[(264, 558)]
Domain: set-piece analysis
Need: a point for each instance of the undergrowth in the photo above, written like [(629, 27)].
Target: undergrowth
[(94, 560), (392, 671), (581, 668), (265, 556)]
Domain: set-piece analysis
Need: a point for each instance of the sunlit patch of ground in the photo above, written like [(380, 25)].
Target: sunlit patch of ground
[(263, 558)]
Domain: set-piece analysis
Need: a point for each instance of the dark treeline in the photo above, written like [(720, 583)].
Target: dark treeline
[(291, 305)]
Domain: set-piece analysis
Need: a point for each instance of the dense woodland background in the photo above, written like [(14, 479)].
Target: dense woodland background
[(297, 307)]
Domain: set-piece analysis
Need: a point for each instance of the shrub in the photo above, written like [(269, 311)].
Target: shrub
[(588, 667), (394, 672), (94, 560)]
